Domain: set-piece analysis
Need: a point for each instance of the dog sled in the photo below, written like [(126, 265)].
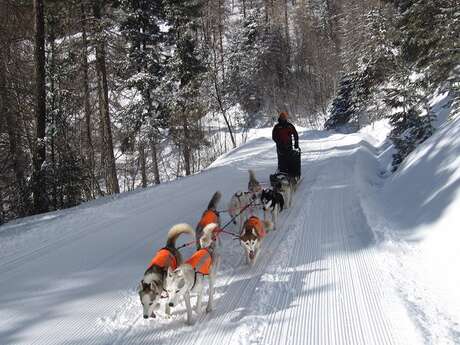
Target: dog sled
[(289, 168)]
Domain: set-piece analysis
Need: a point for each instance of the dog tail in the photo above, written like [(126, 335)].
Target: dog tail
[(214, 201), (252, 177), (268, 225), (208, 229), (176, 231)]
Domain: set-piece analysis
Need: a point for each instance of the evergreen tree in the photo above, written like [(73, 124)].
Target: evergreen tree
[(427, 39), (412, 117), (245, 45), (185, 78), (343, 105), (143, 72)]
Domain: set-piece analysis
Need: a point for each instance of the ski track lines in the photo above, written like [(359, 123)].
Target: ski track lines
[(339, 296)]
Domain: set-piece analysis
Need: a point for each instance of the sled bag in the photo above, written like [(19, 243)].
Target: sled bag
[(289, 162)]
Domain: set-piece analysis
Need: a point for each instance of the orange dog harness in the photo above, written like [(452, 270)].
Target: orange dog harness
[(164, 259), (201, 261), (256, 223), (208, 217)]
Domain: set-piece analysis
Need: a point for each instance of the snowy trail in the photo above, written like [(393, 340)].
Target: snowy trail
[(318, 280)]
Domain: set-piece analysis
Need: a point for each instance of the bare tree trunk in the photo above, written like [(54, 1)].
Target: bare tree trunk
[(52, 89), (268, 9), (39, 188), (186, 146), (221, 33), (224, 113), (156, 170), (286, 22), (103, 91), (143, 164), (217, 90), (89, 148)]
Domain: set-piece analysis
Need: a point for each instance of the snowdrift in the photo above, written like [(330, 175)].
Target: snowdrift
[(414, 214)]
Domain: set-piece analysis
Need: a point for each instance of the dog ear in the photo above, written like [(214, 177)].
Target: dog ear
[(254, 232), (170, 271)]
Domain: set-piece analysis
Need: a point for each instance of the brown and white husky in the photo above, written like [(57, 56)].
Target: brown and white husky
[(253, 232), (189, 277), (151, 286)]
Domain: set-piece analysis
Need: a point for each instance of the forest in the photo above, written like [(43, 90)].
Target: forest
[(103, 97)]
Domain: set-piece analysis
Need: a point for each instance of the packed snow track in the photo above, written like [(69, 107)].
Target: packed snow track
[(70, 277)]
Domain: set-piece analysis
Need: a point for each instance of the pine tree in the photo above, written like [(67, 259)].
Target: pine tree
[(64, 177), (412, 118), (245, 44), (343, 105), (185, 78), (427, 39), (143, 73), (369, 55)]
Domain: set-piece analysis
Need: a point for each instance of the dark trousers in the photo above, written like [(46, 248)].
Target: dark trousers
[(288, 161)]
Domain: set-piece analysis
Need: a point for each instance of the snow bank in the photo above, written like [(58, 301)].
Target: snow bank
[(414, 214)]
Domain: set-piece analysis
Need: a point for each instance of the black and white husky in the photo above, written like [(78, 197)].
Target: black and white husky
[(151, 286), (285, 185), (189, 277), (273, 204)]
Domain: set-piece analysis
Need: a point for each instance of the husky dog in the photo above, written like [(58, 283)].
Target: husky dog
[(209, 216), (254, 230), (273, 203), (189, 277), (151, 286), (285, 185), (238, 204), (253, 185)]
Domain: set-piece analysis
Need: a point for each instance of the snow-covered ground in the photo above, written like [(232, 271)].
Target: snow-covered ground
[(361, 258)]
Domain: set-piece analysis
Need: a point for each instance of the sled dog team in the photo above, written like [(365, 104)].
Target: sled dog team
[(169, 277)]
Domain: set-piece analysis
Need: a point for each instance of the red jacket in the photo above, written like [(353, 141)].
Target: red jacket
[(282, 135)]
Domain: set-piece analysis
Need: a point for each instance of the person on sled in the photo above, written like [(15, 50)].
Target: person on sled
[(283, 134)]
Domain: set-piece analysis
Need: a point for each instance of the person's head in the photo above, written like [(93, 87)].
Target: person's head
[(283, 116)]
